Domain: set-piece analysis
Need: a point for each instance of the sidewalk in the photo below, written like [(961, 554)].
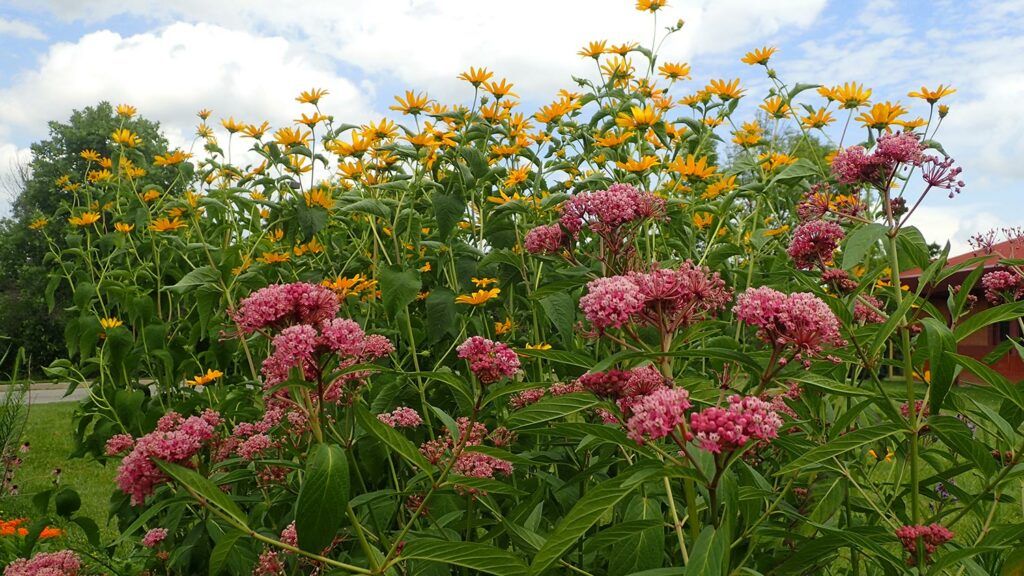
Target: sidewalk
[(50, 392)]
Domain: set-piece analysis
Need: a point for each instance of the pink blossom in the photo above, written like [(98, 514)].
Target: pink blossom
[(801, 322), (252, 447), (725, 430), (839, 280), (526, 397), (611, 302), (268, 564), (609, 384), (401, 417), (657, 414), (899, 148), (474, 464), (278, 305), (560, 389), (867, 310), (605, 210), (154, 537), (119, 444), (814, 242), (62, 563), (547, 239), (940, 173), (1001, 285), (854, 165), (294, 347), (490, 361), (676, 297), (289, 535), (932, 536)]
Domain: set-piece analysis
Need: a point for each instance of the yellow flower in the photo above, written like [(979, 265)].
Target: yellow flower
[(638, 165), (850, 94), (611, 140), (933, 96), (817, 119), (702, 220), (204, 114), (175, 157), (412, 104), (483, 282), (759, 56), (517, 175), (110, 322), (538, 346), (552, 112), (291, 137), (38, 223), (124, 227), (150, 195), (593, 49), (692, 168), (476, 76), (675, 71), (311, 121), (232, 125), (354, 285), (478, 297), (623, 49), (502, 328), (775, 160), (90, 155), (125, 137), (499, 89), (912, 124), (384, 130), (274, 257), (725, 89), (618, 70), (649, 6), (204, 379), (256, 132), (881, 115), (776, 231), (319, 197), (126, 111), (166, 224), (638, 117), (426, 267), (719, 186), (775, 107), (312, 96), (85, 219), (943, 110)]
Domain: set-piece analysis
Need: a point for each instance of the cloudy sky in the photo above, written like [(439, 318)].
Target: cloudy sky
[(250, 58)]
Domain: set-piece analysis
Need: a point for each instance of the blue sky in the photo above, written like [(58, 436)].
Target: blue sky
[(250, 58)]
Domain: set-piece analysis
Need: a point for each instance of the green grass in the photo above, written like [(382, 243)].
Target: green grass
[(49, 431)]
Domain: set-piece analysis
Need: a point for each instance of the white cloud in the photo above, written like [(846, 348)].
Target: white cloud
[(957, 221), (12, 162), (19, 29)]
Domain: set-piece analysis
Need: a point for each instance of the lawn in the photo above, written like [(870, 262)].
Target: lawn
[(49, 430)]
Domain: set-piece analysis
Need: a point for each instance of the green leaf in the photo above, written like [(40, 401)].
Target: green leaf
[(398, 288), (941, 362), (703, 559), (204, 490), (858, 243), (223, 550), (559, 356), (448, 210), (957, 436), (587, 511), (67, 502), (975, 322), (441, 313), (841, 445), (89, 528), (369, 206), (550, 408), (997, 381), (202, 276), (323, 498), (798, 170), (392, 438), (561, 311), (475, 556), (829, 385)]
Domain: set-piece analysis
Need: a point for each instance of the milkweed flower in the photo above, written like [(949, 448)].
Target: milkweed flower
[(727, 429), (546, 239), (900, 148), (932, 536), (940, 173), (604, 210), (682, 296), (814, 242), (154, 537), (854, 165), (401, 417), (119, 444), (799, 323), (610, 302), (1002, 284), (62, 563), (868, 310), (280, 304), (657, 414), (490, 361)]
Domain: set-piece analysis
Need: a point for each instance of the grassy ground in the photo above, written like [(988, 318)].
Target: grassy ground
[(49, 431)]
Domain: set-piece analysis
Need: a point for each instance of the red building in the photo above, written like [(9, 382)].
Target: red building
[(982, 342)]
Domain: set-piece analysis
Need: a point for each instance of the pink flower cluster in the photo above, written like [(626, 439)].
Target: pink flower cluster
[(801, 322), (724, 430), (401, 417), (899, 148), (119, 444), (940, 173), (932, 536), (154, 537), (854, 165), (301, 346), (818, 201), (533, 395), (278, 305), (1002, 284), (662, 297), (868, 310), (474, 464), (62, 563), (490, 361), (547, 239), (176, 439), (657, 414), (814, 242), (839, 280), (605, 210)]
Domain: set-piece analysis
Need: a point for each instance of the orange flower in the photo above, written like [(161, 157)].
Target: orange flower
[(759, 56), (166, 224), (85, 219), (479, 297), (204, 379), (476, 76)]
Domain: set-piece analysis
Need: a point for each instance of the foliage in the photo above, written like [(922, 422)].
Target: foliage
[(512, 344)]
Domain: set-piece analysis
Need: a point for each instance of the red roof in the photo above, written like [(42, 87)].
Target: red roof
[(1008, 249)]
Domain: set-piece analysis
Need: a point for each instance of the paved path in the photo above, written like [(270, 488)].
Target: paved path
[(50, 393)]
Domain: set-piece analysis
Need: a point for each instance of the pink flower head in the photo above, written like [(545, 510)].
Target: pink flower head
[(279, 305), (401, 417), (657, 414), (940, 173), (290, 535), (814, 242), (119, 444), (868, 310), (839, 280), (526, 397), (474, 464), (611, 302), (294, 347), (800, 322), (490, 361), (1002, 285), (725, 430), (932, 536), (681, 296), (547, 239), (154, 537), (62, 563), (604, 210), (252, 447), (899, 148), (854, 165), (610, 384)]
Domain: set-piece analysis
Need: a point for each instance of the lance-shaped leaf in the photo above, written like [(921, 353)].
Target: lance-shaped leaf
[(323, 497), (475, 556)]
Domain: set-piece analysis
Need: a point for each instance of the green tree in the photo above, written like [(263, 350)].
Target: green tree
[(27, 319)]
